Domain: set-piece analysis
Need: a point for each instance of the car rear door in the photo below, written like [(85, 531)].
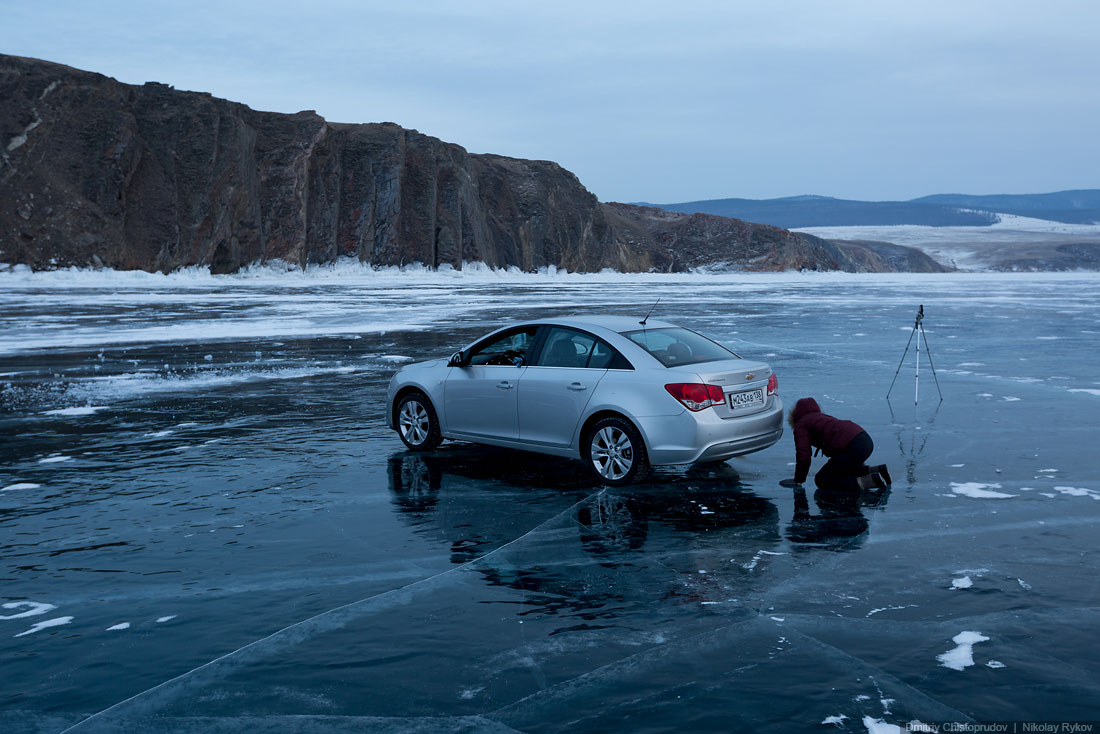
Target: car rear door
[(556, 389)]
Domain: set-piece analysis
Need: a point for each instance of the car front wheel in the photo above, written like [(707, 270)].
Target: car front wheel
[(417, 423), (615, 452)]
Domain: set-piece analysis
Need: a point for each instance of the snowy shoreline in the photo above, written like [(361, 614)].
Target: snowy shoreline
[(353, 271)]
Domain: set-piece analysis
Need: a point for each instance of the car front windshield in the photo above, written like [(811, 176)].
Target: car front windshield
[(674, 346)]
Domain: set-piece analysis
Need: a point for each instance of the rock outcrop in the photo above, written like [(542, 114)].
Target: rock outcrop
[(94, 172)]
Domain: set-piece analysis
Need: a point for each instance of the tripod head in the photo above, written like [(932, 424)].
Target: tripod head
[(920, 317)]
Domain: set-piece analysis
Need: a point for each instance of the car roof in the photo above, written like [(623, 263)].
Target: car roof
[(613, 323)]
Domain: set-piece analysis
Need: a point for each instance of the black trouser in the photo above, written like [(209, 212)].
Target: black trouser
[(841, 471)]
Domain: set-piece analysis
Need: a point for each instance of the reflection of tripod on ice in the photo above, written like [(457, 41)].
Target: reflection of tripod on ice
[(918, 331)]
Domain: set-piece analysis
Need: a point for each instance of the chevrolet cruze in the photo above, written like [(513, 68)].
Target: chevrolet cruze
[(615, 392)]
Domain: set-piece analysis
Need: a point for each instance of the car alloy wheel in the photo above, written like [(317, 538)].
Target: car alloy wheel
[(417, 424), (612, 453), (615, 451)]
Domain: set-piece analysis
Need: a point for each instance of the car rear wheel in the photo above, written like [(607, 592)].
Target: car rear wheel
[(615, 452), (417, 423)]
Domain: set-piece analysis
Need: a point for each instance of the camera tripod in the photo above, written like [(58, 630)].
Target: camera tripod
[(918, 331)]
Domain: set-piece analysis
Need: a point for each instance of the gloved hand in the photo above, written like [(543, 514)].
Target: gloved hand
[(792, 484)]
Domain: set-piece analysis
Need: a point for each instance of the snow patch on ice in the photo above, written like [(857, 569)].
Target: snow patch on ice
[(1010, 399), (159, 434), (395, 358), (962, 656), (119, 626), (54, 459), (994, 664), (1088, 390), (885, 609), (838, 720), (1078, 492), (20, 485), (879, 726), (33, 609), (85, 410), (961, 583), (169, 618), (39, 626), (978, 490), (756, 559)]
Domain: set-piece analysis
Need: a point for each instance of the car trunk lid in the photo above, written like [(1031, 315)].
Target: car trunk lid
[(744, 383)]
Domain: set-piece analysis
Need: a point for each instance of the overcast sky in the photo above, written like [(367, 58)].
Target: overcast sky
[(662, 102)]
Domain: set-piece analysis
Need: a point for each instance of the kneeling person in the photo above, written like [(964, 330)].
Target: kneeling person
[(845, 443)]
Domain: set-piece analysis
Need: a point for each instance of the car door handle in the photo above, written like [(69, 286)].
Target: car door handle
[(577, 386), (502, 385)]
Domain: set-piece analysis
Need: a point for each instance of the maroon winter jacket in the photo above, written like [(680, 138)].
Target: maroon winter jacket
[(812, 428)]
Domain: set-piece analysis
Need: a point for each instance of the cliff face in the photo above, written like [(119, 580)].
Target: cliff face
[(95, 172)]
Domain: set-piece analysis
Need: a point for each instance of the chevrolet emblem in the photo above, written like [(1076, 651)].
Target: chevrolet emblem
[(750, 375)]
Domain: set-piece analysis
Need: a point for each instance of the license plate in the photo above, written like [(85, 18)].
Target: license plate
[(746, 399)]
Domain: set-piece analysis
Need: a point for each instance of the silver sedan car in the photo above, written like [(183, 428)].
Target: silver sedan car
[(617, 393)]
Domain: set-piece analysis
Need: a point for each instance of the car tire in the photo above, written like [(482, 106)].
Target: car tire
[(614, 451), (416, 422)]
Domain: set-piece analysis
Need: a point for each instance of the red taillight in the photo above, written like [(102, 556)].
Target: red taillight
[(695, 396), (773, 385)]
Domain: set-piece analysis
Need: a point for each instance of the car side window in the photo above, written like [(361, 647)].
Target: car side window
[(505, 349), (571, 348), (566, 348)]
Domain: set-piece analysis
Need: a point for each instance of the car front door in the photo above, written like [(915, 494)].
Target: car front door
[(480, 396), (557, 387)]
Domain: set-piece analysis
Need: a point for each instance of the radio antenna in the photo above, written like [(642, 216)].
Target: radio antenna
[(642, 322)]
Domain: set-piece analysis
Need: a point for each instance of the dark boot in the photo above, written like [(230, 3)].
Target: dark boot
[(873, 480), (882, 470)]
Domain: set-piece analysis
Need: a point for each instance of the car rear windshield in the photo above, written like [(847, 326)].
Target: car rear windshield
[(674, 346)]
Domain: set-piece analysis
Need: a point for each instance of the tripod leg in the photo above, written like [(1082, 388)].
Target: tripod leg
[(916, 374), (901, 362), (933, 366)]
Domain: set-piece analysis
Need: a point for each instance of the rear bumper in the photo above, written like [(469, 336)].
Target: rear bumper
[(689, 437)]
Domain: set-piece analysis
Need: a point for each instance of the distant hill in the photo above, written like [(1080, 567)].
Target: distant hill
[(939, 210), (1081, 206)]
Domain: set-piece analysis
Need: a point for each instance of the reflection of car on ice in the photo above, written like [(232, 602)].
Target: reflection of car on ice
[(618, 394), (704, 506)]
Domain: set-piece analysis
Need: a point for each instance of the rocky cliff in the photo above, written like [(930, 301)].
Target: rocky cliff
[(94, 172)]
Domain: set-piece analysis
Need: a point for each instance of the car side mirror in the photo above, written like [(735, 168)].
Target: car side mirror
[(457, 360)]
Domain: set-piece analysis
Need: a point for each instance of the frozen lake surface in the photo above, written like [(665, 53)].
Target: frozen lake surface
[(206, 526)]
